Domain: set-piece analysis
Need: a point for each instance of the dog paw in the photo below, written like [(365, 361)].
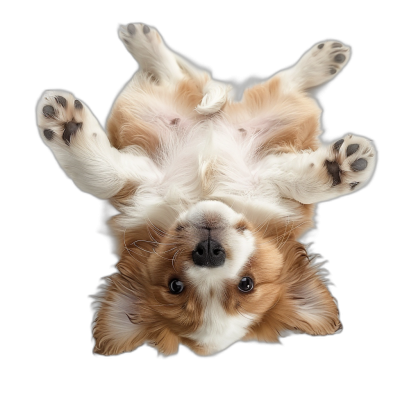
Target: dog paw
[(350, 162), (323, 62), (60, 116), (148, 49), (141, 41)]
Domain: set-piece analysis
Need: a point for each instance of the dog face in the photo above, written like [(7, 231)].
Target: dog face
[(211, 279)]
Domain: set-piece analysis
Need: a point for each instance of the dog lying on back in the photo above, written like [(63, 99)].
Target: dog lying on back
[(211, 195)]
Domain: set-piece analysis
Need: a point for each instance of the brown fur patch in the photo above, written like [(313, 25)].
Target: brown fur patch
[(304, 301)]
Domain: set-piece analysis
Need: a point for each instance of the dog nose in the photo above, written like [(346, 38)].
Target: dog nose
[(208, 253)]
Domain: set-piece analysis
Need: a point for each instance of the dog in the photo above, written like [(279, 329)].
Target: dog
[(212, 196)]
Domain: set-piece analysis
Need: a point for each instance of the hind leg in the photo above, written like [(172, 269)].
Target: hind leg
[(148, 49), (317, 66), (165, 67)]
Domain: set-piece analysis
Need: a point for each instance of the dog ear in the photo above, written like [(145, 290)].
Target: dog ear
[(125, 320), (305, 303)]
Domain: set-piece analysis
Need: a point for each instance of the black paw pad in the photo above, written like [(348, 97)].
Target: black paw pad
[(359, 165), (70, 129), (131, 29), (334, 171), (336, 44), (146, 29), (352, 149), (353, 184), (62, 101), (332, 71), (48, 111), (320, 46), (48, 134), (338, 145), (339, 58), (78, 105)]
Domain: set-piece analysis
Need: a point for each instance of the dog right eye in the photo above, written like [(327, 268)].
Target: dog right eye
[(246, 284), (176, 286)]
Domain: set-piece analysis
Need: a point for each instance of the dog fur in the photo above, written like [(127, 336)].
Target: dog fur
[(184, 164)]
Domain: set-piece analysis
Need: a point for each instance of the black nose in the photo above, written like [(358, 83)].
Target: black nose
[(208, 253)]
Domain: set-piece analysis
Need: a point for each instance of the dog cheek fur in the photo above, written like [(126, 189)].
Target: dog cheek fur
[(304, 304), (125, 319)]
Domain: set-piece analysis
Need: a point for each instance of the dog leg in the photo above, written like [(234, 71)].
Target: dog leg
[(148, 49), (83, 150), (317, 66), (154, 58), (310, 177)]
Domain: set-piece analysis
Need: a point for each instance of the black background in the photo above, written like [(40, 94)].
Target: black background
[(61, 254)]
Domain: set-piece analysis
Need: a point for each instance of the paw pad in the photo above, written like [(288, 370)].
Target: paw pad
[(78, 105), (334, 170), (338, 145), (70, 129), (62, 101), (60, 118), (48, 111), (342, 168), (359, 165), (48, 133), (131, 29), (352, 149)]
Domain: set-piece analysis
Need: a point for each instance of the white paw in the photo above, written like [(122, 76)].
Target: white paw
[(141, 40), (322, 63), (63, 120), (350, 162), (148, 49)]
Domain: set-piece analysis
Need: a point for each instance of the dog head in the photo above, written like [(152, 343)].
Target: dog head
[(211, 279)]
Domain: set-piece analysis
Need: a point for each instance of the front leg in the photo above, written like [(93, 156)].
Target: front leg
[(310, 177), (83, 150)]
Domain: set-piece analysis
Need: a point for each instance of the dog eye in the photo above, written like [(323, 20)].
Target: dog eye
[(176, 286), (246, 284)]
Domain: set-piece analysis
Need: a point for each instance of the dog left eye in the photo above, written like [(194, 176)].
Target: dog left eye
[(246, 284), (176, 286)]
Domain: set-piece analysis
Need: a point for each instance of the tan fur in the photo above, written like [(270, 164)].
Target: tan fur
[(300, 283), (298, 131), (146, 266)]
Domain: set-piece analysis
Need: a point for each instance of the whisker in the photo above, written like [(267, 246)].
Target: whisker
[(174, 258), (159, 231), (126, 248)]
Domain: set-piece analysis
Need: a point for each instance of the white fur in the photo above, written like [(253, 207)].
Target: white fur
[(220, 330), (315, 66)]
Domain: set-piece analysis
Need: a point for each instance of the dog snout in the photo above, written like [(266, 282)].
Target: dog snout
[(209, 253)]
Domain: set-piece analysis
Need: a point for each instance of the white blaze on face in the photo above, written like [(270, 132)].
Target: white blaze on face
[(219, 329)]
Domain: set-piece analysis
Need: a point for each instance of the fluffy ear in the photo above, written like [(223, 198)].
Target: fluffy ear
[(305, 303), (125, 319)]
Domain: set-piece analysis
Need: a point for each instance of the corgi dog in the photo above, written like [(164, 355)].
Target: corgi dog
[(212, 195)]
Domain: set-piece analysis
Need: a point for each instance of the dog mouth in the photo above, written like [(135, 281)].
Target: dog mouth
[(210, 215)]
